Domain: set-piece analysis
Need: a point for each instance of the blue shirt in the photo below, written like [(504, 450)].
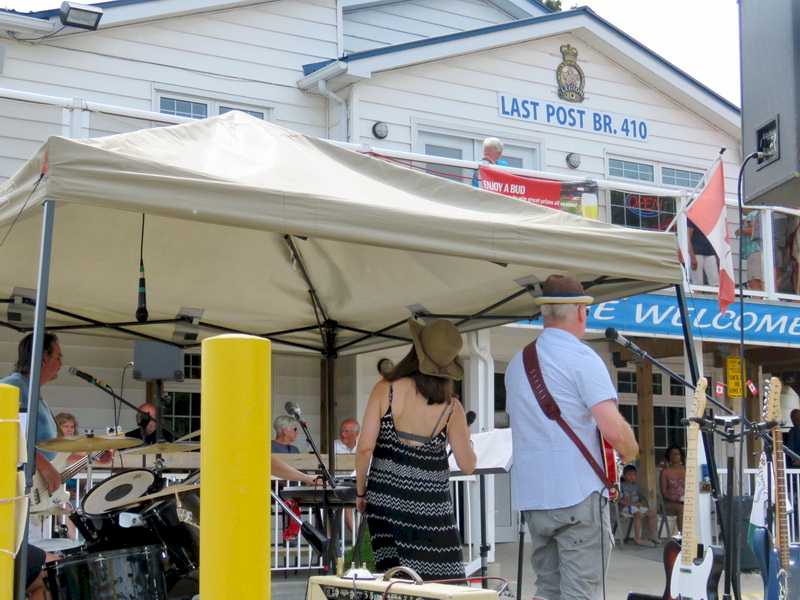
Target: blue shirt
[(46, 428), (549, 471), (278, 448)]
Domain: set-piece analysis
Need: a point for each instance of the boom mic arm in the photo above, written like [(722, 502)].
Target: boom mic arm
[(294, 411)]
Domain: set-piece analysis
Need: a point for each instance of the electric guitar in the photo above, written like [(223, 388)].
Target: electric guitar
[(42, 500), (697, 568), (612, 467), (783, 560)]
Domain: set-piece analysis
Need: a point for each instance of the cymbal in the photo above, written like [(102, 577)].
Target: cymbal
[(167, 491), (189, 436), (165, 448), (88, 443)]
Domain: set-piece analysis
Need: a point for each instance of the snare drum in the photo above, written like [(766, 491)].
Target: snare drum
[(128, 574), (122, 487)]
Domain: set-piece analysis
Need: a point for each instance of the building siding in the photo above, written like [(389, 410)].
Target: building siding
[(398, 22)]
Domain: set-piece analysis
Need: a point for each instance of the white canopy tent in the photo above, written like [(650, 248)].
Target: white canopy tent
[(266, 231), (236, 207)]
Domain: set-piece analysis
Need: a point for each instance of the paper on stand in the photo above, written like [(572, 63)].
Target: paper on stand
[(493, 450)]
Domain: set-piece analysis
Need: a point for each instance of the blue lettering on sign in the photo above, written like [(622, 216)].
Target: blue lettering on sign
[(654, 314), (570, 117)]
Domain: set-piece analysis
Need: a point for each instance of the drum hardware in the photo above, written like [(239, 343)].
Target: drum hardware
[(125, 574)]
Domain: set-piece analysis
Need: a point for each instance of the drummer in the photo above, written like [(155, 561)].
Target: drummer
[(147, 425)]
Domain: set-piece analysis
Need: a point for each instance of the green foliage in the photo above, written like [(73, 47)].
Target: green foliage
[(554, 5)]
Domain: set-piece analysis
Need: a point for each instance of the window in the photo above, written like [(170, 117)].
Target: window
[(668, 428), (448, 171), (253, 113), (181, 411), (657, 389), (641, 211), (630, 170), (626, 382), (675, 387), (191, 366), (183, 108), (198, 107), (631, 414), (681, 177)]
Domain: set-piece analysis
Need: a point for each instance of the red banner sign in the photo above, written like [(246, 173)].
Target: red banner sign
[(577, 198)]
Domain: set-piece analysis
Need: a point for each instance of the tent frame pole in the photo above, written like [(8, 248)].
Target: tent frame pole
[(34, 394)]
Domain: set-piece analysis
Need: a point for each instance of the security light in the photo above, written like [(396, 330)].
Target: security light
[(82, 16)]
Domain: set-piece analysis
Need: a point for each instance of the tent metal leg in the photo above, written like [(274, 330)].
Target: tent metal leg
[(39, 324)]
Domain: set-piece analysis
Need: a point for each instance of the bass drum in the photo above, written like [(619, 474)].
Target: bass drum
[(127, 574)]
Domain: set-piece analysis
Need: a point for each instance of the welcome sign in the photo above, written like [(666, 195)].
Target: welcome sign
[(577, 118), (656, 315)]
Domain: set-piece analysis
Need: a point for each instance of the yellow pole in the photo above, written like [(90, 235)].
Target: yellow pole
[(235, 468), (9, 449)]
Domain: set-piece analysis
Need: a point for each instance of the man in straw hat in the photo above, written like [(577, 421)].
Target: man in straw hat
[(562, 495)]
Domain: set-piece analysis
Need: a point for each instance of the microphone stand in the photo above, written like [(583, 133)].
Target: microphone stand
[(328, 480)]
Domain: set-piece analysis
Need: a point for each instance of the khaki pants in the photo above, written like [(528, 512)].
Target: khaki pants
[(567, 549)]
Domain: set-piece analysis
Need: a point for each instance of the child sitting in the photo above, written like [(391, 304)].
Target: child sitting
[(633, 503)]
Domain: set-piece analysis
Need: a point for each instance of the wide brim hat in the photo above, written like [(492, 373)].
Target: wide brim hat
[(437, 345), (563, 289)]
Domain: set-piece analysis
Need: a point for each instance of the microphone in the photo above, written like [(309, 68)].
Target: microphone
[(471, 416), (86, 377), (615, 336), (141, 309), (293, 410)]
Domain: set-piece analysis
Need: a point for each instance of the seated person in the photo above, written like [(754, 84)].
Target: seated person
[(672, 482), (285, 435), (147, 425), (632, 502)]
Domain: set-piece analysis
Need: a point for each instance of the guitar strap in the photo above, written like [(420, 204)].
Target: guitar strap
[(530, 360)]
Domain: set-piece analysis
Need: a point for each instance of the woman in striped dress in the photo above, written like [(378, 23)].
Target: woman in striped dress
[(410, 418)]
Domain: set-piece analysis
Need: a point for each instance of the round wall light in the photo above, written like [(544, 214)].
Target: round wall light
[(573, 160), (380, 130)]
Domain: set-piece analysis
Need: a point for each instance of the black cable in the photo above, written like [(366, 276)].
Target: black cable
[(36, 39)]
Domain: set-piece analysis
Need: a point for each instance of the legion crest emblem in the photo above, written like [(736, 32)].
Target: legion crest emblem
[(570, 76)]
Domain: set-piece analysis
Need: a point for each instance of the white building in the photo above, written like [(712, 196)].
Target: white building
[(437, 75)]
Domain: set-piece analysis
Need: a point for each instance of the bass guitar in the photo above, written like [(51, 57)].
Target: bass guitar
[(41, 499), (783, 560), (696, 569)]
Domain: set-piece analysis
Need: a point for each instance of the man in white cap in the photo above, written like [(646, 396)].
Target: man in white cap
[(561, 493)]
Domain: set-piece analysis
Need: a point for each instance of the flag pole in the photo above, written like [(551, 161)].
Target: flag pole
[(693, 193)]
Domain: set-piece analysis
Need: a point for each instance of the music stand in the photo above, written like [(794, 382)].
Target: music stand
[(494, 453)]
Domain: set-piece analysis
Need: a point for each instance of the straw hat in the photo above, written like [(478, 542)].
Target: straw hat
[(563, 289), (437, 345)]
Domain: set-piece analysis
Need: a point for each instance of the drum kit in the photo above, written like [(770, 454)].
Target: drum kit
[(140, 538)]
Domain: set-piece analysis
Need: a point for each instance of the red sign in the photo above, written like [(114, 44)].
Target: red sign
[(578, 198), (539, 191)]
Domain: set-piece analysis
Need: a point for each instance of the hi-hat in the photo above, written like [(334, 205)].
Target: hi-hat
[(88, 443), (165, 448), (171, 490)]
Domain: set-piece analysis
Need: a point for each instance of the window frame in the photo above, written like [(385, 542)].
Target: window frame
[(638, 161), (213, 101)]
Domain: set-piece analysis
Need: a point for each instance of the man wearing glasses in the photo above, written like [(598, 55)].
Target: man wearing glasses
[(285, 434)]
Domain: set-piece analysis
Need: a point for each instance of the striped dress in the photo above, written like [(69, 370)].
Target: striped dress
[(409, 508)]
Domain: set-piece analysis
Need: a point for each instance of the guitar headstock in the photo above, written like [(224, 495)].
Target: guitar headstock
[(772, 400), (699, 399)]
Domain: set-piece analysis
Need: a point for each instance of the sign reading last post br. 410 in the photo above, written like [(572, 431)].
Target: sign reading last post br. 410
[(579, 118)]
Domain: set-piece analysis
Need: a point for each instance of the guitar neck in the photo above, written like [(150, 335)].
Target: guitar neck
[(77, 467), (689, 533), (781, 524)]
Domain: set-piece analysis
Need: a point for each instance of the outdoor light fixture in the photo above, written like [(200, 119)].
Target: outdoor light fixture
[(573, 160), (20, 308), (380, 130), (82, 16), (188, 329)]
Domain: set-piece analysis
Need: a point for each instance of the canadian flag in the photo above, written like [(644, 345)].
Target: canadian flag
[(708, 214)]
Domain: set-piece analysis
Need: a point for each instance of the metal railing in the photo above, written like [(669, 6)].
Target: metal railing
[(292, 553)]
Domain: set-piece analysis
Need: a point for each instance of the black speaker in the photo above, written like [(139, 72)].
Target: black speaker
[(154, 361), (770, 69)]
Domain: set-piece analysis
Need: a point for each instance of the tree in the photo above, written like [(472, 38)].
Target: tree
[(554, 5)]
